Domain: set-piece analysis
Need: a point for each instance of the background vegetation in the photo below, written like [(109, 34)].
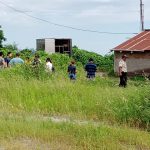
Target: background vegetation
[(101, 115), (2, 38), (47, 111)]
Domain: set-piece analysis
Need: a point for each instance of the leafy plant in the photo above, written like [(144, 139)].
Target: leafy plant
[(2, 38), (104, 63)]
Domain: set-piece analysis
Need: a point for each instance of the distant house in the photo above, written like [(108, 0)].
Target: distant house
[(138, 51), (52, 45)]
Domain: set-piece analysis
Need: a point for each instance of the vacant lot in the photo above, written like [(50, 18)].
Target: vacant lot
[(58, 114)]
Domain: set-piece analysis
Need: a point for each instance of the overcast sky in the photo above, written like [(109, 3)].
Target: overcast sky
[(101, 15)]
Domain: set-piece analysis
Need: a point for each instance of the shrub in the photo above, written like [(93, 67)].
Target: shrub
[(104, 63)]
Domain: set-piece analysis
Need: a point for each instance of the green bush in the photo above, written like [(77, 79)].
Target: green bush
[(104, 63), (138, 78), (134, 109)]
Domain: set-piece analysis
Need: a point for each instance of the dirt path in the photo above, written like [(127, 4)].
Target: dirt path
[(54, 119)]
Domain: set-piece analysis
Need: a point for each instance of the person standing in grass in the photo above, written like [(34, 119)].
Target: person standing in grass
[(17, 60), (8, 58), (72, 70), (49, 65), (36, 62), (2, 61), (27, 61), (123, 71), (91, 69), (36, 65)]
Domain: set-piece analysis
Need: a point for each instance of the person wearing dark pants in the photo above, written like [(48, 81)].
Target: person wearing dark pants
[(91, 69), (72, 71), (123, 71), (123, 79)]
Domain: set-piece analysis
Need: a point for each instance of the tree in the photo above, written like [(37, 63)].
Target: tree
[(2, 38), (11, 47)]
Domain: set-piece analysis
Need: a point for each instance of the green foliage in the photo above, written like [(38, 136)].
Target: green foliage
[(60, 61), (132, 106), (27, 132), (135, 110), (41, 53), (2, 38), (27, 53), (33, 89), (138, 78), (104, 63), (11, 47), (83, 56), (31, 72)]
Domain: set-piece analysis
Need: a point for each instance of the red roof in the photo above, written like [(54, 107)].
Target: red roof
[(140, 42)]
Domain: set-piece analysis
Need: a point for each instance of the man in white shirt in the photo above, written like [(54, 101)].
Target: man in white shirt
[(123, 71), (49, 65)]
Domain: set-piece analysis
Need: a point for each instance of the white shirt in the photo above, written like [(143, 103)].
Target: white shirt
[(123, 65), (49, 66)]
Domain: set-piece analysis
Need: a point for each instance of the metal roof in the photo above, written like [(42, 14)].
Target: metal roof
[(140, 42)]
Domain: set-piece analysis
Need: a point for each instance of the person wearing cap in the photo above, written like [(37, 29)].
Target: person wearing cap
[(123, 71), (91, 68)]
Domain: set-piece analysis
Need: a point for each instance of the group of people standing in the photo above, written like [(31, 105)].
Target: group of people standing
[(90, 67), (9, 61)]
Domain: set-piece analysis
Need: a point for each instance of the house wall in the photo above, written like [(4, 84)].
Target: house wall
[(136, 63), (50, 46)]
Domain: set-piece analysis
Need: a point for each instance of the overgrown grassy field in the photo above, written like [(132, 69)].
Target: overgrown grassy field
[(98, 114), (22, 134)]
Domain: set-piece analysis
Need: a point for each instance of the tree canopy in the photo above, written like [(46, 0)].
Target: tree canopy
[(2, 38)]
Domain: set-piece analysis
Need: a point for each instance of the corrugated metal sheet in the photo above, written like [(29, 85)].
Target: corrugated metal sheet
[(140, 42)]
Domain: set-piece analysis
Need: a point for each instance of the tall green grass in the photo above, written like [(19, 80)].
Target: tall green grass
[(54, 94), (69, 136)]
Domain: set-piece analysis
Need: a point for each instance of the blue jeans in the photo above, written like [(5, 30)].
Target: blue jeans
[(72, 76)]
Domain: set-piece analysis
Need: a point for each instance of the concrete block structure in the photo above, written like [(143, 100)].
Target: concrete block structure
[(52, 45), (138, 51)]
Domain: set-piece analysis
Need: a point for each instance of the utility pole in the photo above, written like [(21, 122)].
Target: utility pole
[(142, 15)]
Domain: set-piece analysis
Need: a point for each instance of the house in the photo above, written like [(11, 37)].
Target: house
[(138, 51), (52, 45)]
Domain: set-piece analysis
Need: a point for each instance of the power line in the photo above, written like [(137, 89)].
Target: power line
[(60, 25)]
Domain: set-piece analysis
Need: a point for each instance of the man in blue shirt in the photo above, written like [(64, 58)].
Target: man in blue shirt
[(90, 68), (17, 60)]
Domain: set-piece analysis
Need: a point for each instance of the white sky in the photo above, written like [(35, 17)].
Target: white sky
[(101, 15)]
